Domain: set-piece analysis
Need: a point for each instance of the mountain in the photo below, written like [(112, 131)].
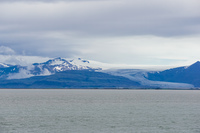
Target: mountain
[(72, 79), (140, 76), (80, 73), (41, 69), (10, 70), (61, 73), (189, 74), (59, 64)]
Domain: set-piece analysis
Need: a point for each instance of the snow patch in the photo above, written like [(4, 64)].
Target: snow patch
[(84, 64), (58, 68), (3, 65), (57, 62)]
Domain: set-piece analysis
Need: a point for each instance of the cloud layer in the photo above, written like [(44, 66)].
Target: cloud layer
[(110, 31)]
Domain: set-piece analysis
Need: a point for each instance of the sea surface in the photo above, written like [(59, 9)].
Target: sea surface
[(99, 111)]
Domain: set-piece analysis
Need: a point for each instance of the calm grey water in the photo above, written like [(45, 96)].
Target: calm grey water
[(99, 111)]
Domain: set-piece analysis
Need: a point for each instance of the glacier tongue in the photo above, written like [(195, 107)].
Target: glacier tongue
[(139, 76)]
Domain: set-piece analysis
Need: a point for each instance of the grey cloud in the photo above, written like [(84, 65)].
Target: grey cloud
[(46, 1), (105, 18), (58, 28), (39, 45)]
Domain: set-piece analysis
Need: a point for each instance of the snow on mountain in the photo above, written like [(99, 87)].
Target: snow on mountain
[(84, 64), (61, 64), (3, 65), (181, 77), (49, 67)]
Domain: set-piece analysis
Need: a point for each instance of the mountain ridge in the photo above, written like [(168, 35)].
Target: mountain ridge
[(49, 67), (46, 74), (189, 74)]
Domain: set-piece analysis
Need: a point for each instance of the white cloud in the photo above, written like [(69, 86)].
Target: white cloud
[(22, 60), (23, 73), (6, 51), (142, 50), (45, 72)]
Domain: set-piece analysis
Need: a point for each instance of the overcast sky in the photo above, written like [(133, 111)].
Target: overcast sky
[(140, 32)]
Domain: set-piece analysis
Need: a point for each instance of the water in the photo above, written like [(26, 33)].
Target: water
[(99, 111)]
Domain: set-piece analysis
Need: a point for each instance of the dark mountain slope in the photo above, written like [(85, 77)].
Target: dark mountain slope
[(189, 75), (71, 79)]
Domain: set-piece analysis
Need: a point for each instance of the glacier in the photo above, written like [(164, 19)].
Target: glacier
[(140, 76)]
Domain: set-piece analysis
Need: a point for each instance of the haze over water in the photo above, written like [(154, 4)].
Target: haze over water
[(99, 111)]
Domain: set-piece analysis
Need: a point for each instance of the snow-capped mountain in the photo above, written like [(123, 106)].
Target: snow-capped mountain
[(47, 68), (61, 64), (68, 73)]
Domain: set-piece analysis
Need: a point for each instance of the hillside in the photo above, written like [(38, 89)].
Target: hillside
[(72, 79)]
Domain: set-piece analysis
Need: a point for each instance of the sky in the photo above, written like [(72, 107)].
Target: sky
[(134, 32)]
